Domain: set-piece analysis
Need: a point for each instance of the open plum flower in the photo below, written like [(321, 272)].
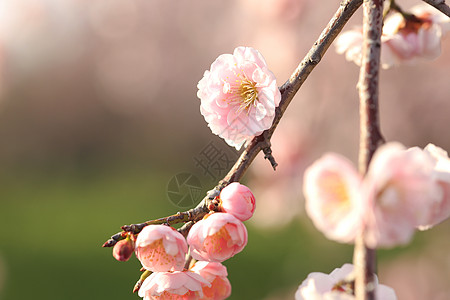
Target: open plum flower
[(238, 96), (331, 189), (216, 274), (440, 211), (402, 190), (332, 286), (217, 237), (161, 248), (405, 39), (177, 285)]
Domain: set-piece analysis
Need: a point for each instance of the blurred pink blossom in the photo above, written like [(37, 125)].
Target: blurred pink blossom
[(331, 188), (238, 96), (401, 191), (320, 286), (216, 274), (217, 237), (184, 285), (161, 248), (238, 200), (441, 209), (404, 39)]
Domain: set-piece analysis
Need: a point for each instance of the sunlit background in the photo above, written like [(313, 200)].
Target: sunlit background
[(98, 112)]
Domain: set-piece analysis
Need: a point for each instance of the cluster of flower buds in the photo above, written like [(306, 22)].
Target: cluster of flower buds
[(163, 251), (403, 190)]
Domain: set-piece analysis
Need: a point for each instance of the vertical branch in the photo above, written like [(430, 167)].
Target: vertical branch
[(370, 136)]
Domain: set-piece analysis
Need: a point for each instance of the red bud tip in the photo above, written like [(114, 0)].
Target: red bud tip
[(123, 250)]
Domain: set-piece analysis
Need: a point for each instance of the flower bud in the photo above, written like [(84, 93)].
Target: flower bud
[(217, 237), (216, 274), (161, 248), (173, 285), (238, 200), (123, 250)]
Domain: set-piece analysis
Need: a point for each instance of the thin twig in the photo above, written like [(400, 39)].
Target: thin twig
[(370, 136), (439, 5), (288, 90), (292, 85)]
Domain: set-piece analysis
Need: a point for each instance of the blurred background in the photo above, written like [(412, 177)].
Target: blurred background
[(98, 114)]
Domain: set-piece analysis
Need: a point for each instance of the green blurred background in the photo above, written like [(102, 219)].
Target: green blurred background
[(98, 112)]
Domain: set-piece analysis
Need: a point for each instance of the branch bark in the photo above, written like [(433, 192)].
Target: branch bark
[(439, 5), (262, 142), (370, 135)]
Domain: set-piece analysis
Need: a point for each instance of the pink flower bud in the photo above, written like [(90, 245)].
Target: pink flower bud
[(238, 200), (161, 248), (123, 250), (323, 286), (184, 285), (216, 274), (217, 237)]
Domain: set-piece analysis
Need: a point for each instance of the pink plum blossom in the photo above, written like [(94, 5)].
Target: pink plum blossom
[(161, 248), (400, 191), (238, 96), (331, 188), (185, 285), (238, 200), (320, 286), (216, 274), (217, 237), (404, 189), (404, 39), (441, 209)]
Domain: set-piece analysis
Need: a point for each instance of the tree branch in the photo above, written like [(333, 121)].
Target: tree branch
[(262, 142), (439, 5), (370, 136)]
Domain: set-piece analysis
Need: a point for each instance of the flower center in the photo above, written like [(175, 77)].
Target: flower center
[(248, 93), (242, 92)]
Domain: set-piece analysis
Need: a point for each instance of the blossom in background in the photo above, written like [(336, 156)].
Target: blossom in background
[(331, 187), (441, 209), (217, 237), (173, 286), (238, 200), (216, 274), (400, 192), (403, 189), (238, 96), (320, 286), (161, 248), (404, 39)]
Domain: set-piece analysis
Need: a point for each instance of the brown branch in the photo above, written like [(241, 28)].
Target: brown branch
[(292, 85), (370, 136), (262, 142), (439, 5)]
